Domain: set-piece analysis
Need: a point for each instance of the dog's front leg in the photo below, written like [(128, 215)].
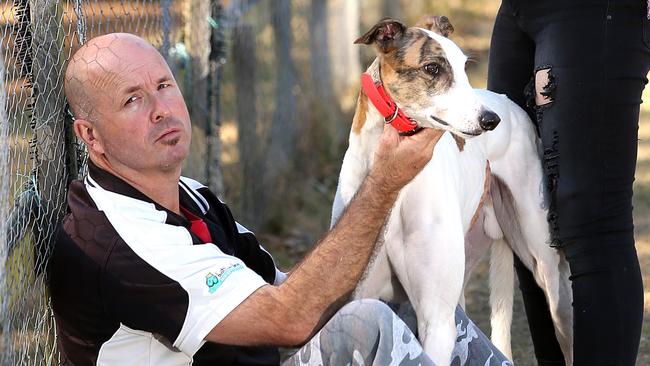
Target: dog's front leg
[(430, 265), (353, 171)]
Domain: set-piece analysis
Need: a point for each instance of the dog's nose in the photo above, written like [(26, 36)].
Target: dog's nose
[(488, 120)]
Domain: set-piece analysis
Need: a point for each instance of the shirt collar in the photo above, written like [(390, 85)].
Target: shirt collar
[(114, 184)]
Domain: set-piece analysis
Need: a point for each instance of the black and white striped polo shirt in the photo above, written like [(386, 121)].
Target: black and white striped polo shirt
[(132, 285)]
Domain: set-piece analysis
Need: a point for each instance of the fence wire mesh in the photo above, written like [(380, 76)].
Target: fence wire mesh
[(279, 127), (38, 152)]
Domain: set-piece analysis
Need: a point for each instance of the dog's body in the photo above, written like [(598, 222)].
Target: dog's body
[(447, 218)]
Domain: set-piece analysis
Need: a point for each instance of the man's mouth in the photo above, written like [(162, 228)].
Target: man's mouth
[(168, 133)]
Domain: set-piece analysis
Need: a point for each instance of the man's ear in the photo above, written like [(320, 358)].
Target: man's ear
[(439, 24), (384, 35), (85, 130)]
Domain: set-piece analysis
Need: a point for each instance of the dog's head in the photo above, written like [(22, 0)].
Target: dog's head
[(424, 73)]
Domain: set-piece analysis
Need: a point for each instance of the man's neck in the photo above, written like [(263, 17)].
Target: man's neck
[(161, 186)]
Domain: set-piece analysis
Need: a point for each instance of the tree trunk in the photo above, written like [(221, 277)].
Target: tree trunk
[(392, 8), (217, 45), (250, 160), (344, 54), (324, 105), (318, 49), (283, 131), (197, 42)]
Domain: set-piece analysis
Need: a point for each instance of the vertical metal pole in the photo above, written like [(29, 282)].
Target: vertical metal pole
[(81, 21), (166, 24), (4, 210), (48, 121)]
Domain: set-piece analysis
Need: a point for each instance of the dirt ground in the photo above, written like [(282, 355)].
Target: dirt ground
[(477, 291)]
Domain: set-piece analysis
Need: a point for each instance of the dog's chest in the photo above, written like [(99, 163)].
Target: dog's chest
[(451, 185)]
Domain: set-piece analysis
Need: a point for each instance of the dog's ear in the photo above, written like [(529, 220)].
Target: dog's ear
[(384, 34), (438, 24)]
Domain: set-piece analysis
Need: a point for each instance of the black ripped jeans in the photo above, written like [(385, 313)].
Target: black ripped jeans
[(597, 55)]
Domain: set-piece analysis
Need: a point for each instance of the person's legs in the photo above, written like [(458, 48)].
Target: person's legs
[(510, 68), (368, 332), (473, 347), (511, 57), (363, 332), (593, 64)]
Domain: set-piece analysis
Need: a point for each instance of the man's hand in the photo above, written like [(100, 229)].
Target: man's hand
[(291, 313), (399, 159)]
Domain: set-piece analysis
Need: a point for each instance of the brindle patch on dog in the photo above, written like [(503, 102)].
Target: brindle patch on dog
[(460, 142), (416, 70), (436, 23), (359, 118)]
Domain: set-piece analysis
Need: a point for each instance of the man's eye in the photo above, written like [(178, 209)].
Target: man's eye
[(431, 69), (163, 86), (130, 100)]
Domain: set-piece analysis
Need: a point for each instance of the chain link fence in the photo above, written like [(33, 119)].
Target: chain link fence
[(39, 154), (282, 124), (287, 91), (285, 96)]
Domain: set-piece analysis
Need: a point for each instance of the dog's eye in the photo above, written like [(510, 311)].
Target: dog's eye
[(431, 69)]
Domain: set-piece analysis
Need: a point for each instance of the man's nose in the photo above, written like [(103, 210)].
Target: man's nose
[(160, 110)]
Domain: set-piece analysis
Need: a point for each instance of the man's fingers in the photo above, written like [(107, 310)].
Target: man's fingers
[(400, 158), (390, 135), (389, 130), (436, 135), (429, 136), (432, 133), (425, 138)]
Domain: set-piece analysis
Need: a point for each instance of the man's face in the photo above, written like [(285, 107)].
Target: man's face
[(140, 119)]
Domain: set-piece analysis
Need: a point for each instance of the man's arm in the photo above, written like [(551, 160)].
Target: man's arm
[(322, 282)]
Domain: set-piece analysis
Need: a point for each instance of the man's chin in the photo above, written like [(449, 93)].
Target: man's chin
[(175, 158)]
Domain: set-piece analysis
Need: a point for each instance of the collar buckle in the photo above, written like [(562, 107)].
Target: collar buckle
[(390, 119)]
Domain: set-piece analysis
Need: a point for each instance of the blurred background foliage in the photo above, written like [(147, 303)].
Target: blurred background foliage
[(271, 86), (291, 78), (291, 210)]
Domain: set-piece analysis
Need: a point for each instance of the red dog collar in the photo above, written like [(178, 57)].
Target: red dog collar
[(386, 106)]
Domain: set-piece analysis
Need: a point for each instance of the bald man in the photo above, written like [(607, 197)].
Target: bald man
[(150, 265), (151, 268)]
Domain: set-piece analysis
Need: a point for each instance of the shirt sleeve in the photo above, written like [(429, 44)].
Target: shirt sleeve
[(280, 277), (179, 292)]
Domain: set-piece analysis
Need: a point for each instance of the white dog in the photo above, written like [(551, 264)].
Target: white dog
[(445, 220)]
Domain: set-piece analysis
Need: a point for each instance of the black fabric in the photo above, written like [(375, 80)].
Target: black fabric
[(598, 56), (82, 326), (97, 281)]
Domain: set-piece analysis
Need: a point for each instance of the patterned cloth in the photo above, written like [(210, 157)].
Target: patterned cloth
[(368, 332)]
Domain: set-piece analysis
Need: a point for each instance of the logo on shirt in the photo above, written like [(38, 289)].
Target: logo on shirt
[(214, 281)]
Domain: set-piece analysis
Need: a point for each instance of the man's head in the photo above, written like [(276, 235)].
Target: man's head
[(128, 109)]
